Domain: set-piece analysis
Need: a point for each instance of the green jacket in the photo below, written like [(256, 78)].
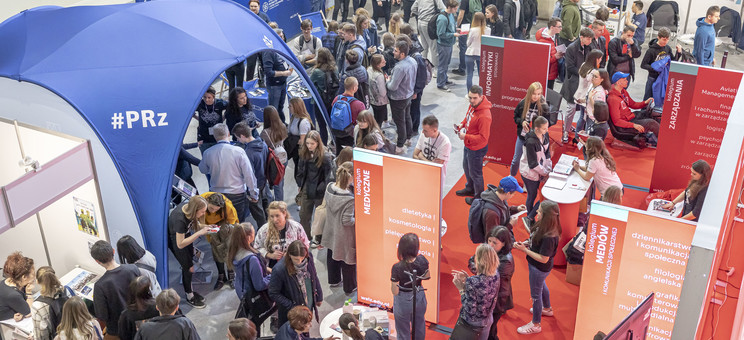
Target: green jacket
[(446, 29), (571, 19)]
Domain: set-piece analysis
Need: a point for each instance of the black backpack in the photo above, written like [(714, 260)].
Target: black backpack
[(686, 57), (331, 88), (476, 226), (55, 310), (431, 26)]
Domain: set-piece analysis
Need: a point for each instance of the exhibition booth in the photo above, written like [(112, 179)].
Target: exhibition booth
[(127, 78)]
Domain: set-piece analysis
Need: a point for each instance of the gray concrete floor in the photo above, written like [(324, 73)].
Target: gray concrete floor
[(449, 108)]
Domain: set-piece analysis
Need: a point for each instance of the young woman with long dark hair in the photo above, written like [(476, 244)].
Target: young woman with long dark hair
[(540, 250), (209, 112), (274, 133), (322, 76), (586, 75), (140, 306), (313, 173), (367, 125), (131, 252), (239, 110), (403, 290), (294, 282), (694, 194), (350, 327), (532, 106), (493, 21), (535, 164), (377, 88)]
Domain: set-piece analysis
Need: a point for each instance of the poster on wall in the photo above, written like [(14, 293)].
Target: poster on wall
[(630, 254), (505, 80), (85, 215), (697, 105), (402, 197)]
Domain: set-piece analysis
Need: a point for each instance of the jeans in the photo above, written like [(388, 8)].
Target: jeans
[(415, 113), (428, 45), (517, 33), (539, 292), (581, 124), (569, 117), (517, 157), (340, 269), (401, 110), (472, 163), (277, 96), (444, 56), (240, 202), (307, 207), (649, 88), (235, 75), (403, 313), (279, 191), (384, 10), (471, 62), (341, 142), (532, 187), (462, 45), (344, 13)]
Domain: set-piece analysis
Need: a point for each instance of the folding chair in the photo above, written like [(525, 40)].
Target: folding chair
[(664, 15)]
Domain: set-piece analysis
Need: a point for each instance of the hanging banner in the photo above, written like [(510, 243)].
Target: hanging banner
[(402, 197), (696, 108), (628, 255), (505, 79), (286, 14)]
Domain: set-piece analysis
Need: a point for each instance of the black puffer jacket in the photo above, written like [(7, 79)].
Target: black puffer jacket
[(518, 115), (314, 179)]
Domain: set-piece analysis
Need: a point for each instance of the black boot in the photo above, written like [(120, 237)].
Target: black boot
[(220, 282)]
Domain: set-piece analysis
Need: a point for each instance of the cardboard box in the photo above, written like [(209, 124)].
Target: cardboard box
[(573, 274)]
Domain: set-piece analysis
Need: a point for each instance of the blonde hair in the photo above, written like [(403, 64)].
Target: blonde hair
[(479, 20), (395, 22), (297, 107), (75, 316), (167, 301), (47, 278), (486, 260), (190, 209), (272, 234), (344, 174), (319, 152), (534, 87), (369, 118)]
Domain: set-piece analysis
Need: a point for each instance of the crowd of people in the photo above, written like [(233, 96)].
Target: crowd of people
[(370, 82)]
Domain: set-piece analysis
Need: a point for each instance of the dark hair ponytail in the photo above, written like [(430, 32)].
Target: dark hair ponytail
[(349, 323)]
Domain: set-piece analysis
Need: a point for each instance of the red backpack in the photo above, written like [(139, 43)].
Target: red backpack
[(274, 168)]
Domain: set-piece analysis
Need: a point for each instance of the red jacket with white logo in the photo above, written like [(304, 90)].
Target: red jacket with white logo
[(477, 133), (620, 104)]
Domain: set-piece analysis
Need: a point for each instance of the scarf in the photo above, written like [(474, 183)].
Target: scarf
[(302, 274)]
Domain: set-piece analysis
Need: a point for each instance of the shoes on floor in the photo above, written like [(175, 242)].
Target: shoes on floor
[(458, 72), (545, 311), (337, 284), (196, 303), (198, 297), (529, 328), (219, 284), (464, 192), (469, 200), (449, 82), (400, 151), (408, 142), (444, 88)]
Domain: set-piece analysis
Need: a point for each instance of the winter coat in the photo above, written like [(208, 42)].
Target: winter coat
[(339, 232), (358, 45), (599, 43), (479, 130), (660, 85), (502, 215), (377, 88), (705, 43), (314, 179), (575, 56), (553, 66), (284, 289), (497, 27), (615, 51), (357, 71), (535, 163), (518, 114), (571, 18), (653, 54), (511, 22)]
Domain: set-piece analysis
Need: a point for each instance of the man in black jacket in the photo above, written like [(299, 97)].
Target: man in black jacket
[(622, 51), (498, 196), (515, 19), (599, 42), (657, 50), (277, 71), (167, 326), (575, 55)]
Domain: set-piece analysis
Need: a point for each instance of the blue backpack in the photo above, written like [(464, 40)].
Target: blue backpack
[(476, 227), (341, 116)]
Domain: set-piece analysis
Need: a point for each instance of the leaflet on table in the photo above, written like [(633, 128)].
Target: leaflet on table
[(81, 281), (25, 326), (556, 181), (565, 164)]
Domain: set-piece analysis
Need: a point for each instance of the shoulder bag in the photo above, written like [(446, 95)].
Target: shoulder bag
[(256, 306)]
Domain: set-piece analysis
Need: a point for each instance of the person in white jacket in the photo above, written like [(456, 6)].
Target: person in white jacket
[(478, 29)]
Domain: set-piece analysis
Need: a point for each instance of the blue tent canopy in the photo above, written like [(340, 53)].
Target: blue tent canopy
[(136, 73)]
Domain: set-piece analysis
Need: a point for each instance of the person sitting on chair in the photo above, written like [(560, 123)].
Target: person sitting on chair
[(621, 104)]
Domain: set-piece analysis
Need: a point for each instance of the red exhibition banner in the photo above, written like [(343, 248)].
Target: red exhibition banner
[(628, 255), (507, 69), (404, 196), (696, 108)]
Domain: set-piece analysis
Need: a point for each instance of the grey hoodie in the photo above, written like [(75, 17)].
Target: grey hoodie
[(338, 232), (424, 10)]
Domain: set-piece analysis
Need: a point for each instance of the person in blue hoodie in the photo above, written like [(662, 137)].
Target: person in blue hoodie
[(277, 71), (257, 152), (705, 37)]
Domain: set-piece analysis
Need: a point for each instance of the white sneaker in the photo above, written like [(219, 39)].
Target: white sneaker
[(408, 142), (529, 328), (545, 311), (400, 151)]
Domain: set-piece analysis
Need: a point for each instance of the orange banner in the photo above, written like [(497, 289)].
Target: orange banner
[(630, 254), (395, 196)]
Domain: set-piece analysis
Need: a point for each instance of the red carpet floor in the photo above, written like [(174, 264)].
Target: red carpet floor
[(634, 168)]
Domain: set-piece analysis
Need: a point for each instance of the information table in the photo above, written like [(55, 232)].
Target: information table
[(568, 199)]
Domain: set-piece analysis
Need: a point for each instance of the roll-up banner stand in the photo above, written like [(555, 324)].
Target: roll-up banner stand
[(630, 254), (394, 196), (697, 105), (507, 69), (286, 14)]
